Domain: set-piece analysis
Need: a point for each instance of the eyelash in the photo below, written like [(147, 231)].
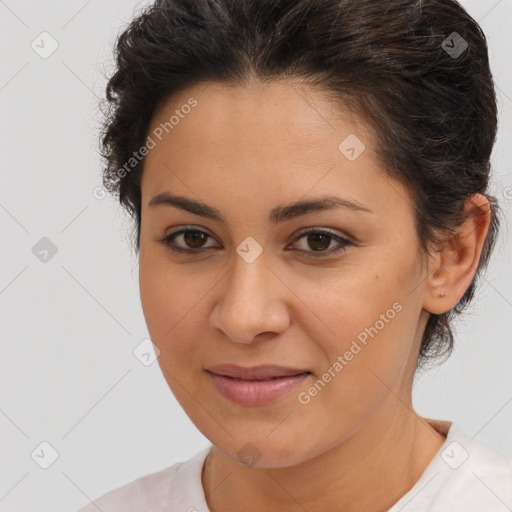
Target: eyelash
[(168, 239)]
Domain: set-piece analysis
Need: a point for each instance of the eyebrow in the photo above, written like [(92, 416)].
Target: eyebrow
[(278, 214)]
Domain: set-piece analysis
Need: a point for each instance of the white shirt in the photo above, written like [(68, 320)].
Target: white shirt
[(466, 475)]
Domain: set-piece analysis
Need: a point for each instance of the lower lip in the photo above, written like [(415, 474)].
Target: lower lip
[(256, 392)]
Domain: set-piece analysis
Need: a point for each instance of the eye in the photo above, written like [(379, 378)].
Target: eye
[(193, 238), (320, 240)]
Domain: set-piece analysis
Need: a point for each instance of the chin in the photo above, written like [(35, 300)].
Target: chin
[(262, 453)]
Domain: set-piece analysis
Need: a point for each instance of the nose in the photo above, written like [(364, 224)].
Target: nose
[(251, 302)]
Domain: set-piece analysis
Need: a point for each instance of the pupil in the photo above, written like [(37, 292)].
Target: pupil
[(316, 237), (192, 237)]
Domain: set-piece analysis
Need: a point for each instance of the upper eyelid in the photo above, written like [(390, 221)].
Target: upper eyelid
[(299, 232)]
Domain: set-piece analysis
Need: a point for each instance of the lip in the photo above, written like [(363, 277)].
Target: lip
[(255, 372), (257, 385)]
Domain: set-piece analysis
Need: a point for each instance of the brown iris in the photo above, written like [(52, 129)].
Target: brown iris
[(317, 241), (194, 238)]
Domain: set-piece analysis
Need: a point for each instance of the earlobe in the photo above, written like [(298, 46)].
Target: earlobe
[(455, 263), (439, 282)]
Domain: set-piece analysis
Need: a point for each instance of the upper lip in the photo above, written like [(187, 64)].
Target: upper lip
[(254, 372)]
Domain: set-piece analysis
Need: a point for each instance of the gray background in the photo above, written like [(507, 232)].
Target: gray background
[(69, 325)]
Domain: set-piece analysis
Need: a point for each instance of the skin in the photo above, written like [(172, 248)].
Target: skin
[(358, 444)]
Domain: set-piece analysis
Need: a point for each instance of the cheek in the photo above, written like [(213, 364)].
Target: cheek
[(375, 319), (170, 305), (156, 300), (172, 302), (161, 302), (165, 296), (360, 300), (366, 335)]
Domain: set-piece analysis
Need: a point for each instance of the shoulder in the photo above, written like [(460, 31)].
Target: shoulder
[(466, 475), (475, 471), (164, 490)]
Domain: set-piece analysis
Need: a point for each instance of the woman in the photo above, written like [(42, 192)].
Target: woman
[(308, 182)]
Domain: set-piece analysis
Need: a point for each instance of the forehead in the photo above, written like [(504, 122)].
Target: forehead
[(265, 143), (220, 110), (281, 120)]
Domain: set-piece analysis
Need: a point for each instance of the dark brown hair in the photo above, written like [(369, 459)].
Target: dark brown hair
[(417, 71)]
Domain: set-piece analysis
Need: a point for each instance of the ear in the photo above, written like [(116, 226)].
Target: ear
[(452, 267)]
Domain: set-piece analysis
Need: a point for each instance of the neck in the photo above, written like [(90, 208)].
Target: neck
[(371, 470)]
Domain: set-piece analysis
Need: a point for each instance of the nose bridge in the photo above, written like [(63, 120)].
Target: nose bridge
[(250, 301), (249, 288)]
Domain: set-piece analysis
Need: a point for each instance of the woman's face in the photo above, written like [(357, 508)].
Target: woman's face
[(258, 291)]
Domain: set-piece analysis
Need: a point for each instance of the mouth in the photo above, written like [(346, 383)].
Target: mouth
[(257, 385)]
